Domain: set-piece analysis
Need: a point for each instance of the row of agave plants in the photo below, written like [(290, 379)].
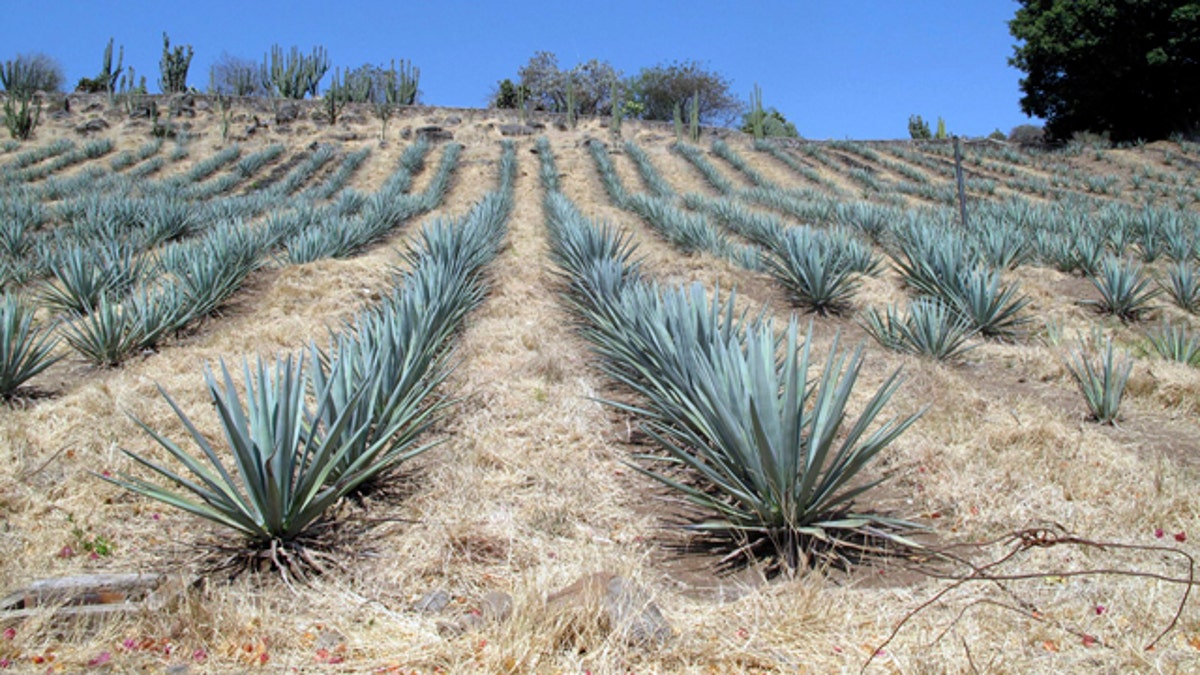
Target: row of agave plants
[(954, 275), (760, 447), (117, 298), (313, 427)]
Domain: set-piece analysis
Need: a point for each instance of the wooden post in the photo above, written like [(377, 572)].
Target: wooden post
[(958, 176)]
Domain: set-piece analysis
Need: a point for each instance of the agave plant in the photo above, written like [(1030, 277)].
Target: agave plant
[(285, 452), (986, 303), (775, 465), (106, 336), (1102, 383), (25, 349), (1183, 286), (1125, 290), (1175, 343), (814, 270), (931, 328)]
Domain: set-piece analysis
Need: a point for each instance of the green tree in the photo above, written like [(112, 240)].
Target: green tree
[(1127, 67), (660, 88), (918, 128)]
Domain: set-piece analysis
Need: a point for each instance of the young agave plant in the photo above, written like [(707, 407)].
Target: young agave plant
[(285, 452), (986, 303), (1175, 343), (25, 349), (931, 329), (1102, 383), (106, 336), (1183, 286), (1124, 288)]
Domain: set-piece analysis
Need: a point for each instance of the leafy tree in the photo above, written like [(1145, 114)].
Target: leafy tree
[(507, 95), (660, 88), (548, 86), (918, 128), (1127, 67), (30, 73), (941, 134), (774, 124)]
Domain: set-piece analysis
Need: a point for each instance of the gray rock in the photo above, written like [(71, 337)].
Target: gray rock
[(634, 615), (435, 133), (287, 112), (516, 130), (452, 120), (433, 602), (629, 609), (91, 126)]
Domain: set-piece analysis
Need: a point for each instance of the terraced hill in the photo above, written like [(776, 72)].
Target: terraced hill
[(147, 258)]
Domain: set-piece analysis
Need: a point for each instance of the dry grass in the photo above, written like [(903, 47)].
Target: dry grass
[(530, 491)]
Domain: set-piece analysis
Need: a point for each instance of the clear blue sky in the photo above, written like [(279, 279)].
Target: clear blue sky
[(838, 69)]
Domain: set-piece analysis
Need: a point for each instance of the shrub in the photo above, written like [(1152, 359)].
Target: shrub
[(1027, 136)]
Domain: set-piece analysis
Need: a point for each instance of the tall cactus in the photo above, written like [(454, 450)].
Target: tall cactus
[(294, 75), (757, 114), (394, 87), (694, 118), (108, 75), (174, 67)]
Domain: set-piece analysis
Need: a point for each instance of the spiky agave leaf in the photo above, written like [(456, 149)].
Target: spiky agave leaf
[(25, 349)]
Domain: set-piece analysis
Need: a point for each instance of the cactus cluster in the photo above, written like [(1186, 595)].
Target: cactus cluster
[(174, 67), (294, 74)]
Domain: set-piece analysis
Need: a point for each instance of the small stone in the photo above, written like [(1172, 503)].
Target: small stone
[(329, 640), (634, 614), (452, 120), (433, 602), (496, 606)]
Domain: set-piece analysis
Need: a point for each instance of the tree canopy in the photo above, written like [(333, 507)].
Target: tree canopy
[(1130, 68), (660, 88)]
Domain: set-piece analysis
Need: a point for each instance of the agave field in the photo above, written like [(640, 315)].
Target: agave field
[(395, 407)]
